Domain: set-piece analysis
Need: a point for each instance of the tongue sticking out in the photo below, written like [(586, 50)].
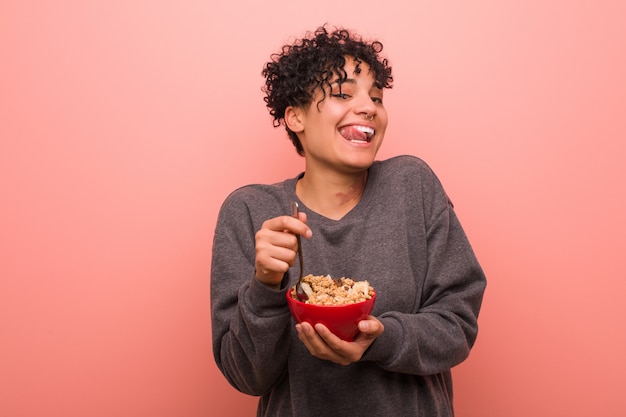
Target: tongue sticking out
[(352, 133)]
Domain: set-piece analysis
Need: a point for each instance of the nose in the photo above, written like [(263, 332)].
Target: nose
[(365, 106)]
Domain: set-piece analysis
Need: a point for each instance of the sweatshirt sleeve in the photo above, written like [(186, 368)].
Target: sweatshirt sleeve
[(250, 321), (439, 334)]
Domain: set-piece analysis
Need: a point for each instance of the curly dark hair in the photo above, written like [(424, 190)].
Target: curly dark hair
[(293, 75)]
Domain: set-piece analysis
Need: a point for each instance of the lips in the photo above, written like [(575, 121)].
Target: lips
[(357, 133)]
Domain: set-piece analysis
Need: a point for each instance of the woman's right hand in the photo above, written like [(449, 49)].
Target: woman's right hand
[(276, 247)]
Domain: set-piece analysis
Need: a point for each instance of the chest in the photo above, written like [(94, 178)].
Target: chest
[(392, 257)]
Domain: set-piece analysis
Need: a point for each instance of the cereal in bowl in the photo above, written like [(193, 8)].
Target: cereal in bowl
[(323, 290)]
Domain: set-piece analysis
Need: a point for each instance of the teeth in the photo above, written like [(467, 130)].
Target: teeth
[(369, 132)]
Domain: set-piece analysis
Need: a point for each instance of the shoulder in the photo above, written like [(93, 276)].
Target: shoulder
[(410, 174), (404, 165), (258, 201)]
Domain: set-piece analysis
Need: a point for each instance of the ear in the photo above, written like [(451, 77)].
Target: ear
[(294, 117)]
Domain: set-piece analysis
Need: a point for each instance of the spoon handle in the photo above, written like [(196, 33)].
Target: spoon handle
[(294, 206), (300, 291)]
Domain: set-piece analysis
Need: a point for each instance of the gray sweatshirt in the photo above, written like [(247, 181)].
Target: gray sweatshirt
[(405, 239)]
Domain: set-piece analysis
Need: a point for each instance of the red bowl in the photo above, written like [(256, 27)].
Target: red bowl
[(342, 320)]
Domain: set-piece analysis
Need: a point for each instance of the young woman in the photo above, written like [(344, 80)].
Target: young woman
[(388, 222)]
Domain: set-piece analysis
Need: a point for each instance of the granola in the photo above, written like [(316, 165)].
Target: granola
[(324, 290)]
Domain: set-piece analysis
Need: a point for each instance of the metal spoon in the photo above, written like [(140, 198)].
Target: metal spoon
[(300, 293)]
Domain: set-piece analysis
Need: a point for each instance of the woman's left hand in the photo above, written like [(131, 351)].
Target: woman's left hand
[(325, 345)]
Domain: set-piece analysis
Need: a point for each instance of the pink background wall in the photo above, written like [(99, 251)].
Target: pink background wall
[(124, 124)]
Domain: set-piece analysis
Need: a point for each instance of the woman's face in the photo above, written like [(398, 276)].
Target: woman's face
[(344, 131)]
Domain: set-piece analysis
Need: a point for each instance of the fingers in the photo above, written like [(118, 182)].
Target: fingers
[(287, 224), (371, 327), (323, 344), (276, 246), (300, 227), (315, 343), (275, 253)]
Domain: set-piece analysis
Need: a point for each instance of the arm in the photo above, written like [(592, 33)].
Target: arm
[(441, 332), (250, 320)]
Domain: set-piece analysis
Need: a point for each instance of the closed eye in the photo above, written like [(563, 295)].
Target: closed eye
[(341, 95)]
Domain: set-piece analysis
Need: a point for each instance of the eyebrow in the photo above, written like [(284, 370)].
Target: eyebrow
[(345, 81), (353, 81)]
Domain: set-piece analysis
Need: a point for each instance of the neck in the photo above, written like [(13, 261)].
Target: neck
[(331, 196)]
